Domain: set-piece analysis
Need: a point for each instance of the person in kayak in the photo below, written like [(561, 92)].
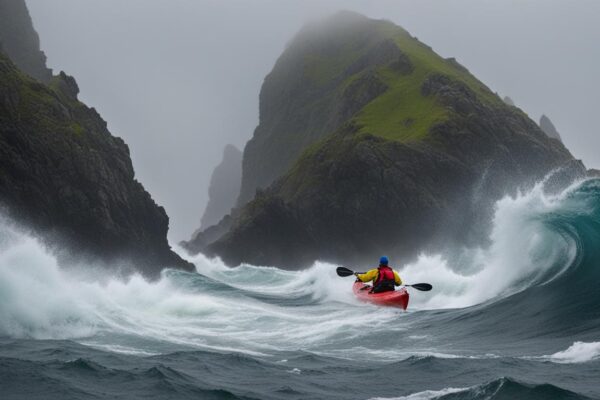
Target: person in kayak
[(384, 278)]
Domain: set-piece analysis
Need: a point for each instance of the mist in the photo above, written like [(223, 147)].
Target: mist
[(179, 80)]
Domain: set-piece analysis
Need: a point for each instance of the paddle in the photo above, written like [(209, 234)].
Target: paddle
[(343, 271), (425, 287)]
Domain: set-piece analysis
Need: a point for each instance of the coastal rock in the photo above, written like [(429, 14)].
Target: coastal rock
[(370, 196), (66, 85), (20, 41), (416, 168), (308, 94), (64, 176)]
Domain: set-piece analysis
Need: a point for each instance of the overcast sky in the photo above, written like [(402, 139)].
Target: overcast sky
[(179, 79)]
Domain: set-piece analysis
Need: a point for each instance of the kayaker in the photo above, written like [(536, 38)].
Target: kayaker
[(384, 278)]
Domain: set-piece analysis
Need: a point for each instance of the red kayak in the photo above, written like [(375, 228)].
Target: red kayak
[(397, 298)]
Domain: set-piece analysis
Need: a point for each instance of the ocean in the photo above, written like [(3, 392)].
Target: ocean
[(519, 319)]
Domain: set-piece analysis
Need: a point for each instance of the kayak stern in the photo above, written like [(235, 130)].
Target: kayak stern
[(398, 298)]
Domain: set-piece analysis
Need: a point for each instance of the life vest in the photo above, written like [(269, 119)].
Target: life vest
[(385, 274), (385, 281)]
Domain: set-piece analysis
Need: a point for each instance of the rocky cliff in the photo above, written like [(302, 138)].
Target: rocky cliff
[(548, 127), (321, 80), (64, 175), (20, 41), (224, 187), (415, 160)]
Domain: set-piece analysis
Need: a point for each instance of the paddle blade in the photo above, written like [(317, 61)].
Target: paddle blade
[(424, 287), (343, 271)]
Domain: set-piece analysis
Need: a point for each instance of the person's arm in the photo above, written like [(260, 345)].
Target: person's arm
[(367, 276), (397, 279)]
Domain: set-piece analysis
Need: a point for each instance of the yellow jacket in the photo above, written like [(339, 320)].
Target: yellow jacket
[(372, 275)]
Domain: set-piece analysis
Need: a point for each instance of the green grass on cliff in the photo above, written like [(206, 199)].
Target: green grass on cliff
[(40, 106), (402, 112)]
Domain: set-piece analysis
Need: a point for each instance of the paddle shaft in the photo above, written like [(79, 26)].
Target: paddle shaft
[(343, 272)]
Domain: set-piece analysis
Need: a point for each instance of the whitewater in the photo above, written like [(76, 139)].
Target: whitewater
[(517, 319)]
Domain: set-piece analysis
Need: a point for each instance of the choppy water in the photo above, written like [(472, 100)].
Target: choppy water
[(518, 320)]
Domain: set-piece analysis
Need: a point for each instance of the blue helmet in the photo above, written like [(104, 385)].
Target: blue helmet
[(383, 260)]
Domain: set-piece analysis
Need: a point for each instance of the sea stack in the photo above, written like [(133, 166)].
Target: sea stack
[(370, 143)]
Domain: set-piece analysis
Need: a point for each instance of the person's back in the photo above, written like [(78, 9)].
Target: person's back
[(383, 277)]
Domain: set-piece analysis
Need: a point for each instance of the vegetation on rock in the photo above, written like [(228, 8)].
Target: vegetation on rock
[(65, 176), (417, 160)]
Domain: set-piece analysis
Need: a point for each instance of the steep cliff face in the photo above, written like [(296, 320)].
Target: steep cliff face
[(64, 175), (224, 187), (419, 165), (321, 80), (20, 41), (548, 127)]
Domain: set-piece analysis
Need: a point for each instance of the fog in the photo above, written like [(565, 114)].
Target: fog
[(179, 79)]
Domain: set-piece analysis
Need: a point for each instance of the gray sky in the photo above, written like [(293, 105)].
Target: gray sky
[(179, 79)]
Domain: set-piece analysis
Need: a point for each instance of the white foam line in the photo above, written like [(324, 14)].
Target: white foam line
[(578, 352), (425, 395), (114, 348)]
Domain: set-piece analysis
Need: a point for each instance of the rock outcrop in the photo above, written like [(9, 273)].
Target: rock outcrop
[(224, 187), (65, 176), (321, 80), (62, 174), (418, 166), (548, 127), (20, 41)]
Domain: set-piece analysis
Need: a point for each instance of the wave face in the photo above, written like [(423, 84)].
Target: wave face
[(529, 303)]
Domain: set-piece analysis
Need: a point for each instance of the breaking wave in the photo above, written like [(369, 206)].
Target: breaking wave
[(542, 246)]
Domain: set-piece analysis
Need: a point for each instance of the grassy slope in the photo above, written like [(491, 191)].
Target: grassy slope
[(332, 48), (403, 113)]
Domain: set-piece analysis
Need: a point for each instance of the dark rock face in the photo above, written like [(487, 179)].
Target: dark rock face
[(415, 164), (548, 127), (224, 187), (20, 41), (369, 196), (360, 203), (302, 100), (65, 176)]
